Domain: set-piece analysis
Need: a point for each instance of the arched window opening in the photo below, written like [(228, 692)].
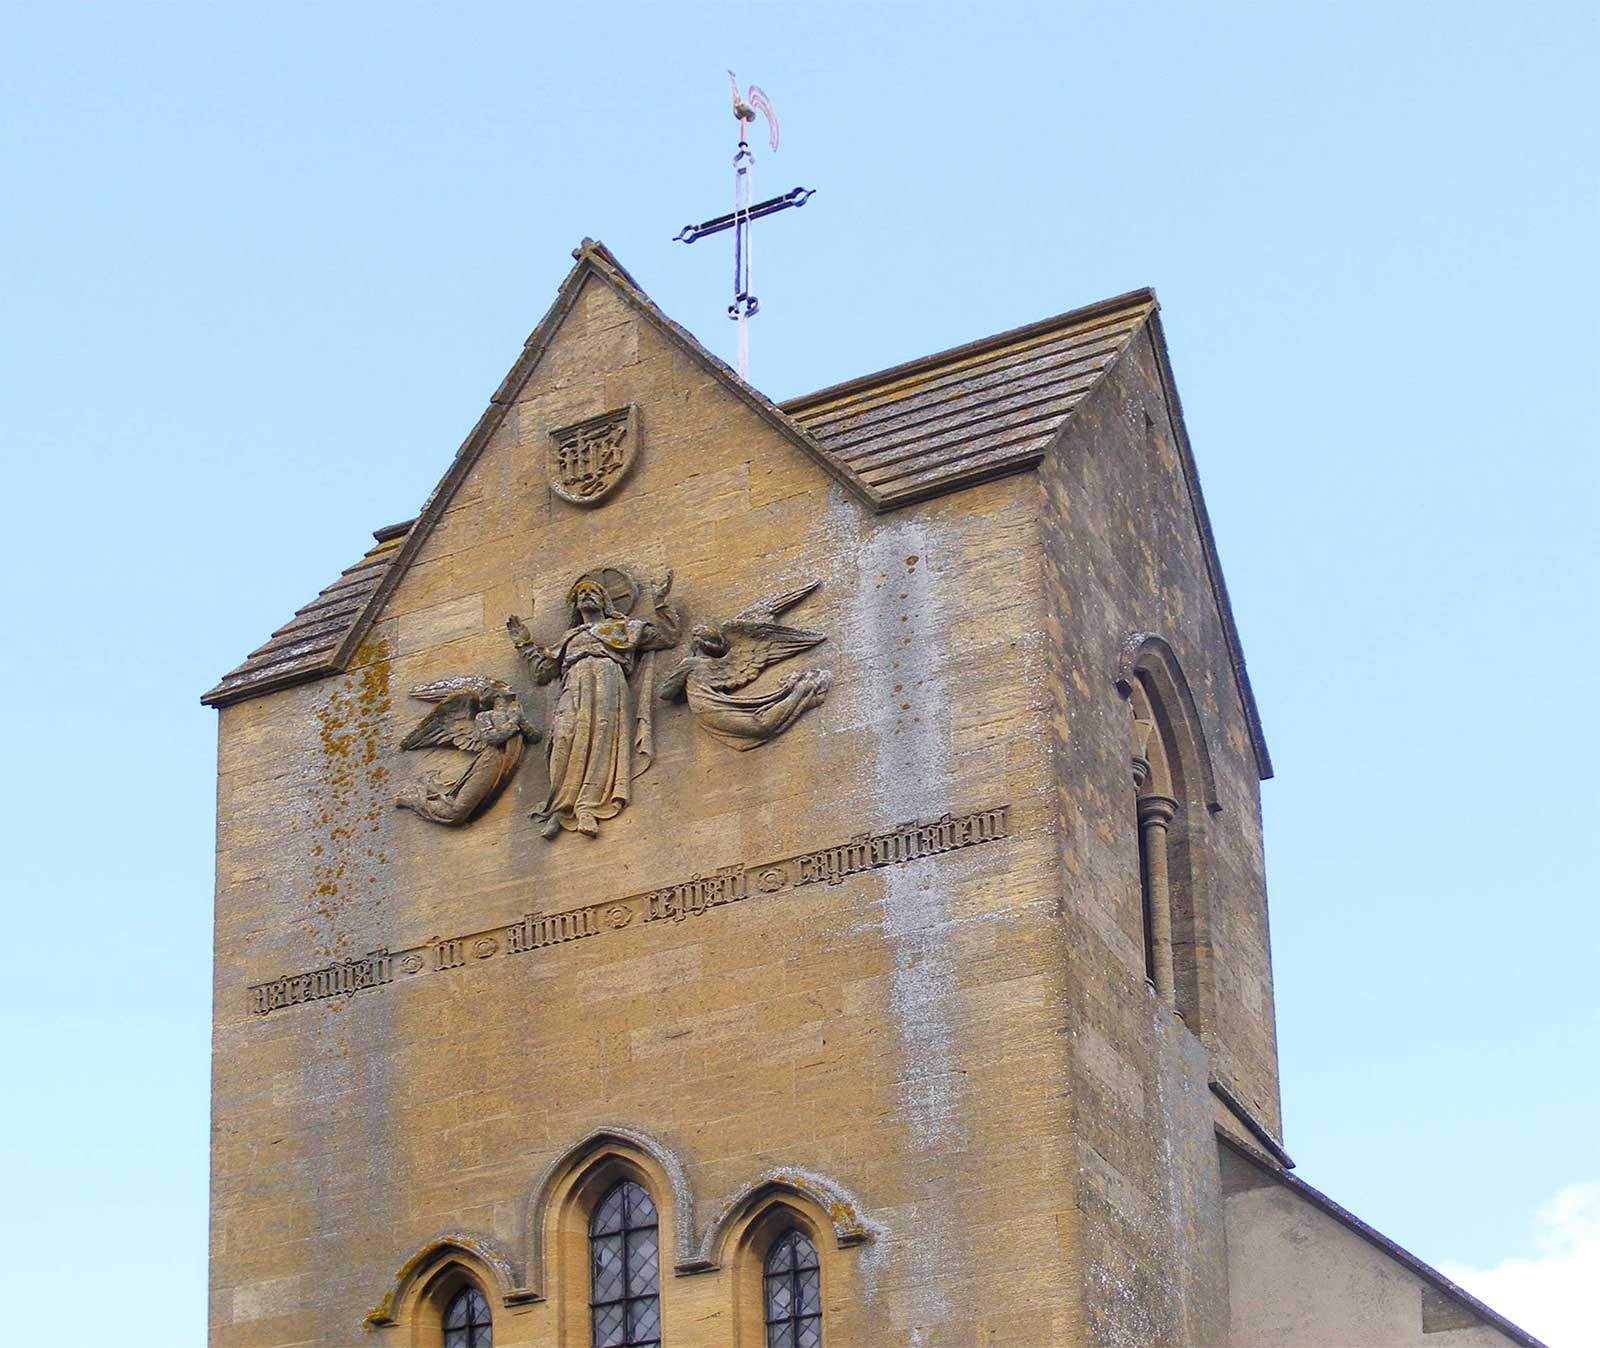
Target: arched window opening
[(1174, 797), (792, 1292), (467, 1323), (1155, 807), (625, 1269)]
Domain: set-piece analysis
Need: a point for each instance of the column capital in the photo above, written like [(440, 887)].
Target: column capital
[(1154, 809)]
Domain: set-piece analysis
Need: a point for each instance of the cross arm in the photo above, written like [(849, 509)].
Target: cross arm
[(798, 197)]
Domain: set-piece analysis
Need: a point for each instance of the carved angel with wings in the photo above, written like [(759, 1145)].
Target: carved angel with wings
[(726, 656), (480, 717)]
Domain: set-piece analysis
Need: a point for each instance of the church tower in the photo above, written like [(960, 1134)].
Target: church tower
[(730, 874)]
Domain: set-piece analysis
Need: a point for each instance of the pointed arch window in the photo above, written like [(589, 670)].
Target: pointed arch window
[(792, 1292), (467, 1323), (625, 1269)]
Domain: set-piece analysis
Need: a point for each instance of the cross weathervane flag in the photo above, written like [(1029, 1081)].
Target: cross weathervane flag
[(745, 305)]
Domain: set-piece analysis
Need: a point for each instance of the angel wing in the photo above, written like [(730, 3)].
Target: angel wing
[(450, 725), (767, 609), (756, 640), (752, 651)]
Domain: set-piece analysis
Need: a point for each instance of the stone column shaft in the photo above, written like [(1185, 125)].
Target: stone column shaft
[(1155, 813)]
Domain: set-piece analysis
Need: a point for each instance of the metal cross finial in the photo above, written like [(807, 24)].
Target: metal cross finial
[(745, 305)]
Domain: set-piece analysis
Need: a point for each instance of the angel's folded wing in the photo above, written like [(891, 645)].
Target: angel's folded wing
[(752, 647), (450, 725)]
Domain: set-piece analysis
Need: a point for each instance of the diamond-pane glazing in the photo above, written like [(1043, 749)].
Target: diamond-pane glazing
[(608, 1216), (792, 1284), (467, 1323), (625, 1269), (609, 1325), (644, 1263), (641, 1211)]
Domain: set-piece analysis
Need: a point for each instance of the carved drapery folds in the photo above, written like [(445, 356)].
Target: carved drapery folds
[(476, 717), (601, 731), (728, 655), (601, 734)]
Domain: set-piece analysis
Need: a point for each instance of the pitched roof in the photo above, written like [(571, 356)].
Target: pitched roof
[(980, 410), (301, 648), (1271, 1170), (913, 431)]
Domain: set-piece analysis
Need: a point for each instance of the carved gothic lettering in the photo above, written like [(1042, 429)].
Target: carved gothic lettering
[(691, 898)]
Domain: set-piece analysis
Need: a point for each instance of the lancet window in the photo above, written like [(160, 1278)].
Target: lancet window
[(625, 1269), (1154, 810), (792, 1292), (1173, 795), (467, 1322)]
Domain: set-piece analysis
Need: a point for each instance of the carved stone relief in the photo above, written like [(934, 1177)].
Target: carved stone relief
[(480, 718), (601, 735), (726, 656), (589, 459)]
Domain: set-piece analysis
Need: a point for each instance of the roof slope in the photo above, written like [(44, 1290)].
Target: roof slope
[(1450, 1291), (301, 648), (975, 412)]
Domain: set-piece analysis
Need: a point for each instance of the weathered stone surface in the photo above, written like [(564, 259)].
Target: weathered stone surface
[(933, 1047)]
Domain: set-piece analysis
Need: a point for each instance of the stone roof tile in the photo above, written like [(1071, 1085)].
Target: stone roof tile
[(304, 646), (978, 411)]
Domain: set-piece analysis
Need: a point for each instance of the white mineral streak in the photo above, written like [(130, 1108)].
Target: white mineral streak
[(901, 625)]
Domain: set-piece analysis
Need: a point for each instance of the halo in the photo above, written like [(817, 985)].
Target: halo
[(621, 589)]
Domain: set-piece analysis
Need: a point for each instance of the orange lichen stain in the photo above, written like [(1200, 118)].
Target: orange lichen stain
[(350, 735)]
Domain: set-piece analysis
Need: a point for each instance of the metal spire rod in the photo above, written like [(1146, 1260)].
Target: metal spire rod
[(745, 306)]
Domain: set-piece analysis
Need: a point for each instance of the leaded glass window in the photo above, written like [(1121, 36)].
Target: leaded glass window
[(793, 1293), (466, 1321), (625, 1270)]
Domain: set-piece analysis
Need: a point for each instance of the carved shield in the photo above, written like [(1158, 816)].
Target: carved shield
[(589, 460)]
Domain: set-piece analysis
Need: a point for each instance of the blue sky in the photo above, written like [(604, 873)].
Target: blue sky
[(262, 267)]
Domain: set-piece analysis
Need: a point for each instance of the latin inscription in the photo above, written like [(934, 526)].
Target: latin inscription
[(691, 898)]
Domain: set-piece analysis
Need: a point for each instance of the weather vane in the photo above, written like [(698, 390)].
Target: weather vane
[(745, 305)]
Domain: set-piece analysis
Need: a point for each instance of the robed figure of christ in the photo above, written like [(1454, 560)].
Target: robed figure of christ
[(600, 735)]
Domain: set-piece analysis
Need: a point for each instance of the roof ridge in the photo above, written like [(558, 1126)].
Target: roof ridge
[(1143, 297)]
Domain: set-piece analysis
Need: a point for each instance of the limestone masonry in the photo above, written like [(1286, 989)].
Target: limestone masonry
[(730, 875)]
